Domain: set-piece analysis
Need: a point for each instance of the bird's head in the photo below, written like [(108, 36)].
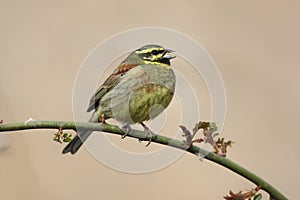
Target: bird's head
[(151, 54)]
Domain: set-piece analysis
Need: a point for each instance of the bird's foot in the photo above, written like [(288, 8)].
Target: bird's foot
[(151, 134), (128, 130)]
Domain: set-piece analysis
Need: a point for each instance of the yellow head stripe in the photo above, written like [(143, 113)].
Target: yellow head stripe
[(148, 50), (156, 63)]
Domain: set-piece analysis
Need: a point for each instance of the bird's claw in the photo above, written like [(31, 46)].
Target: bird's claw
[(150, 139), (128, 131), (151, 135)]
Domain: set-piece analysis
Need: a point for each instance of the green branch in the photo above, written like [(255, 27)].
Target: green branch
[(225, 162)]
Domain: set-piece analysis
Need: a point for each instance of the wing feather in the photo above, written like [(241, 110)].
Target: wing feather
[(109, 84)]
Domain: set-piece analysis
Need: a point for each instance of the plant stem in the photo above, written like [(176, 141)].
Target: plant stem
[(225, 162)]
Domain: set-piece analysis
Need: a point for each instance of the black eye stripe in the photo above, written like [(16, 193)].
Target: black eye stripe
[(156, 52)]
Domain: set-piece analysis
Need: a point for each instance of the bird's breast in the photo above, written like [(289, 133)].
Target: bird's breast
[(142, 94)]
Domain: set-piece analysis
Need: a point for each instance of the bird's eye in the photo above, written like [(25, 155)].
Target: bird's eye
[(154, 52)]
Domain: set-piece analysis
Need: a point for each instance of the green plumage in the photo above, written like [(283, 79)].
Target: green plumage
[(139, 90)]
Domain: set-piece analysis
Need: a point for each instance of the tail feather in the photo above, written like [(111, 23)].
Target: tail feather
[(81, 136), (76, 142)]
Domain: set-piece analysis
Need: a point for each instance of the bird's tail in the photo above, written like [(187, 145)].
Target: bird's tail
[(81, 136), (76, 142)]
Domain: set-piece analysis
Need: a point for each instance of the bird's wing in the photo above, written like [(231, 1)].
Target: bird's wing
[(108, 84)]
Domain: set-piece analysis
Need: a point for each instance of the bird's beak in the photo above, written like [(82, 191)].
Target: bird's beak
[(167, 55)]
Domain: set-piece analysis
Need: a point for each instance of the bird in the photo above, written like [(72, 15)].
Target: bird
[(138, 90)]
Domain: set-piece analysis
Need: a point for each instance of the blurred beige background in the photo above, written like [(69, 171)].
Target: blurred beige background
[(255, 45)]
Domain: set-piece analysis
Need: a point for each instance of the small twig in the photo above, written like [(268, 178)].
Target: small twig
[(253, 193), (209, 134)]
